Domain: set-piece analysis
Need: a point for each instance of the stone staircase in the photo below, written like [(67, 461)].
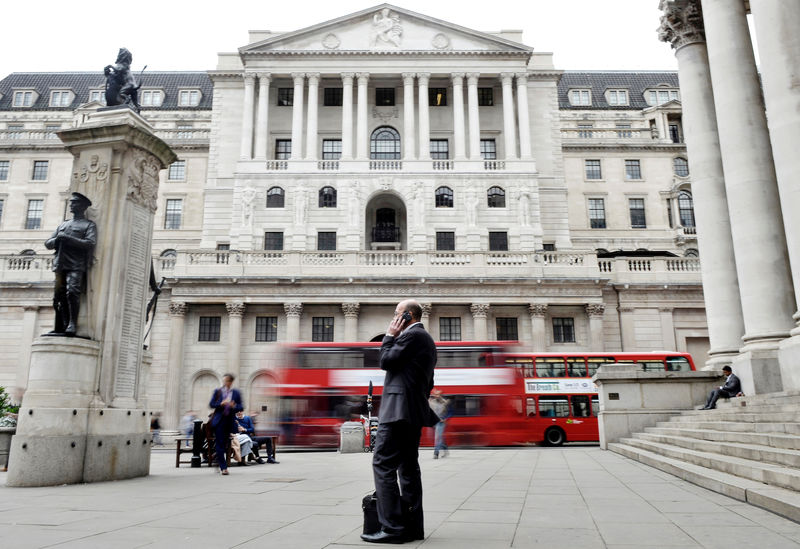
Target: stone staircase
[(748, 449)]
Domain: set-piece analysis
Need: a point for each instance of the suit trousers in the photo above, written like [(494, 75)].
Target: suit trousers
[(222, 437), (398, 482)]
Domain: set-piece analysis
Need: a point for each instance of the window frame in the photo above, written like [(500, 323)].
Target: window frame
[(432, 97), (678, 165), (486, 97), (37, 173), (29, 226), (442, 153), (170, 215), (280, 193), (194, 96), (332, 97), (592, 210), (507, 326), (283, 149), (633, 169), (638, 215), (322, 328), (498, 241), (496, 197), (584, 96), (589, 169), (449, 328), (284, 97), (615, 94), (330, 149), (271, 241), (445, 241), (266, 329), (443, 197), (488, 149), (560, 325), (5, 170), (177, 171), (686, 212), (29, 97), (156, 97), (66, 97), (209, 329), (385, 97), (327, 197), (326, 241), (385, 153)]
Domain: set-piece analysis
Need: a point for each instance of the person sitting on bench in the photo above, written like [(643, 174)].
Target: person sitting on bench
[(245, 426)]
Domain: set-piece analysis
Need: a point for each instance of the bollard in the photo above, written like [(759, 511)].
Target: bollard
[(197, 443)]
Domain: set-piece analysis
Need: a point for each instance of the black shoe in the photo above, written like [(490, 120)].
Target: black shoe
[(272, 460), (383, 537), (260, 461)]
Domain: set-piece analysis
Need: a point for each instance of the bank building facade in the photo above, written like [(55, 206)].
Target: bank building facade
[(327, 173)]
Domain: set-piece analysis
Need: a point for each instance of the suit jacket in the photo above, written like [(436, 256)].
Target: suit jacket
[(408, 360), (222, 413), (732, 385)]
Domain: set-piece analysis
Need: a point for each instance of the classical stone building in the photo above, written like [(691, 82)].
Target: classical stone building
[(324, 174)]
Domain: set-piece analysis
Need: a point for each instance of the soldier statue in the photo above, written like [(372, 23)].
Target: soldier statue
[(121, 86), (74, 243)]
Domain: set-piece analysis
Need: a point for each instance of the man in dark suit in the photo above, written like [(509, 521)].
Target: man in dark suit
[(225, 401), (408, 355), (731, 388)]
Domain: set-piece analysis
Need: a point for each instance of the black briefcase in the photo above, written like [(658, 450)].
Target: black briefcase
[(370, 506)]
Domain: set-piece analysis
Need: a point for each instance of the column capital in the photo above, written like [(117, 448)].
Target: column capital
[(249, 77), (457, 76), (665, 309), (235, 308), (298, 77), (472, 78), (626, 308), (681, 23), (294, 309), (347, 77), (177, 308), (30, 307), (264, 77), (595, 309), (408, 77), (522, 78), (426, 309), (351, 309), (313, 77), (538, 309), (479, 310), (362, 77), (506, 78), (424, 77)]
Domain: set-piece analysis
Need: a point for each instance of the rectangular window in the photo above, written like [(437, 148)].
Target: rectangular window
[(273, 240), (564, 330), (51, 130), (597, 213), (322, 328), (633, 169), (593, 169), (440, 149), (384, 97), (40, 170), (150, 98), (488, 149), (450, 328), (437, 97), (184, 131), (209, 328), (585, 131), (189, 98), (624, 131), (674, 133), (23, 98), (549, 247), (33, 219), (5, 166), (61, 98), (580, 97), (332, 97), (98, 95), (283, 149), (285, 97), (445, 241), (177, 171), (266, 328), (485, 97), (498, 241), (553, 406), (331, 149), (173, 213), (618, 97), (636, 206), (669, 214), (507, 329), (326, 240), (15, 131)]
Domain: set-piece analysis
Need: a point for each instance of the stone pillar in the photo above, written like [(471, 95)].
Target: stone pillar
[(765, 281), (684, 31), (426, 315), (459, 135), (350, 311), (522, 115), (347, 115), (29, 316), (627, 329), (424, 116), (667, 329), (293, 312), (409, 152), (313, 105), (474, 117), (595, 312), (172, 388), (297, 116), (262, 115), (509, 131), (362, 141), (538, 313), (480, 311), (235, 313), (247, 116)]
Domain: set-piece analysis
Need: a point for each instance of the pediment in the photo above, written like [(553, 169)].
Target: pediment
[(385, 29)]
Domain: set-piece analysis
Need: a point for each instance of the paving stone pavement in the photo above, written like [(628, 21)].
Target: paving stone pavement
[(492, 498)]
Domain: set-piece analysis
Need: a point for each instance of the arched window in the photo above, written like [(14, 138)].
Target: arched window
[(384, 144), (275, 197), (444, 197), (686, 209), (691, 252), (327, 197), (496, 197), (680, 166), (28, 252), (167, 258)]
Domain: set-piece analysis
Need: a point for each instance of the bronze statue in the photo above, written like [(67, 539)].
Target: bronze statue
[(121, 85), (74, 243)]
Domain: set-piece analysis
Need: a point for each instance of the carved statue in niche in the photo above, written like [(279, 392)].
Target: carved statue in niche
[(386, 28), (419, 204), (471, 204), (524, 206), (248, 197), (355, 204), (121, 85), (300, 204)]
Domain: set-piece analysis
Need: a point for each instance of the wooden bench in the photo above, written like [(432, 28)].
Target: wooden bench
[(183, 449)]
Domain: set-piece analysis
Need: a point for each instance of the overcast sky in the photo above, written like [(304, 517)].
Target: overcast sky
[(54, 35)]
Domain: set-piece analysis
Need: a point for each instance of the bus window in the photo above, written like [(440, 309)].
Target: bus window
[(576, 367), (595, 362), (678, 364), (530, 407), (460, 358), (595, 406), (338, 358), (553, 406), (465, 405), (550, 367), (524, 364), (651, 365), (580, 405)]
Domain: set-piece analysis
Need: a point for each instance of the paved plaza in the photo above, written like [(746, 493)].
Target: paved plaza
[(495, 498)]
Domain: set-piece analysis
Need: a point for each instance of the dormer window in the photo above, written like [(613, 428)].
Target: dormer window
[(151, 98), (617, 98), (661, 96), (23, 98), (60, 98), (97, 95), (580, 98), (189, 98)]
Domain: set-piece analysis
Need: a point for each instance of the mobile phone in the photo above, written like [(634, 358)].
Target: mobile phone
[(406, 316)]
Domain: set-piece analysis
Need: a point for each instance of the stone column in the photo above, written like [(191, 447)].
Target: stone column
[(408, 116), (362, 141), (313, 105), (759, 242), (684, 31), (595, 312), (293, 312), (350, 311), (509, 131), (424, 116), (667, 329), (426, 315), (522, 115), (538, 313), (29, 316), (172, 387), (347, 116), (459, 135), (262, 114), (474, 117), (235, 313), (480, 311), (297, 116), (247, 115), (627, 329)]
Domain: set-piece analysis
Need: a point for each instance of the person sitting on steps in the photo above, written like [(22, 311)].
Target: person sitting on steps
[(732, 387)]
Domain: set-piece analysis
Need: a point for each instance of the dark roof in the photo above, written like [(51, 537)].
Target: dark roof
[(634, 81), (82, 82)]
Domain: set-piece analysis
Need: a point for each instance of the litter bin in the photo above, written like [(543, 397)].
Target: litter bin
[(351, 437)]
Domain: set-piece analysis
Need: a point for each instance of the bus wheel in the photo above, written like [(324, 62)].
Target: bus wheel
[(554, 437)]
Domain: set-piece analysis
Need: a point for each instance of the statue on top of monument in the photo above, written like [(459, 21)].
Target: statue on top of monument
[(74, 243), (121, 85)]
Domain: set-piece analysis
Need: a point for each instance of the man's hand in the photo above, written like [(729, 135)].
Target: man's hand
[(395, 326)]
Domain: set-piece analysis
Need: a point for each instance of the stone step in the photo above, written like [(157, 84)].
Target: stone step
[(735, 426), (776, 500), (739, 415), (790, 397), (774, 475), (755, 452), (773, 440)]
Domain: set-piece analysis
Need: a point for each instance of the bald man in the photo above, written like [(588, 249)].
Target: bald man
[(408, 355)]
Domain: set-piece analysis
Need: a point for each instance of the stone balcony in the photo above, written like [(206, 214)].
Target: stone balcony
[(390, 166), (42, 138), (613, 136)]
